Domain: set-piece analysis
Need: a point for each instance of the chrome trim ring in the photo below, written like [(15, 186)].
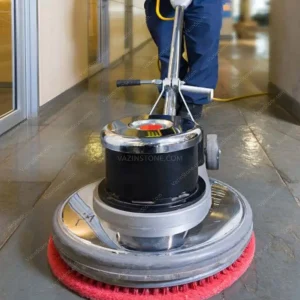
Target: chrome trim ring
[(177, 134)]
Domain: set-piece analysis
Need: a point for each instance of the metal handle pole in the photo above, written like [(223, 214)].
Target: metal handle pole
[(174, 64)]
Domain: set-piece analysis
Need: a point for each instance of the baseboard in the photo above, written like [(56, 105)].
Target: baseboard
[(142, 45), (60, 101), (6, 85), (287, 102), (226, 37)]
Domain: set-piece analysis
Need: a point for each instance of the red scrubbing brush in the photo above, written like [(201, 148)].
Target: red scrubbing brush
[(200, 290)]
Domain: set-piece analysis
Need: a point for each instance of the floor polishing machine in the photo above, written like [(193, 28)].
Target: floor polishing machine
[(156, 226)]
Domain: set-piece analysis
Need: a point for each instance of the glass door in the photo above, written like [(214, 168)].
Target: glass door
[(12, 88), (98, 34), (7, 99)]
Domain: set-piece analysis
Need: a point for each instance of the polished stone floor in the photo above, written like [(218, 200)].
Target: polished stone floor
[(44, 160)]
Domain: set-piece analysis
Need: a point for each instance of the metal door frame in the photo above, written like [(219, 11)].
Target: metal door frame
[(103, 37), (128, 25), (25, 63)]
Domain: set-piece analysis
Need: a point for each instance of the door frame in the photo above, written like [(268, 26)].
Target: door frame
[(103, 37), (128, 25), (24, 63)]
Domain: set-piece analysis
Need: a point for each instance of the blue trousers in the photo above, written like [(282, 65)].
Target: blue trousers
[(202, 27)]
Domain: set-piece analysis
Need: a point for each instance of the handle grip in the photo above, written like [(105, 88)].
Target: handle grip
[(130, 82), (198, 90), (195, 89)]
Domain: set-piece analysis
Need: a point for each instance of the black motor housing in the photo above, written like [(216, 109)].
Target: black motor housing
[(159, 181)]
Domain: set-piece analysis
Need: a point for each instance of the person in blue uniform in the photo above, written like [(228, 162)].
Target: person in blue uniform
[(202, 28)]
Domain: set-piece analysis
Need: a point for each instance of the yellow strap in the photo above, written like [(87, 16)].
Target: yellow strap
[(159, 14)]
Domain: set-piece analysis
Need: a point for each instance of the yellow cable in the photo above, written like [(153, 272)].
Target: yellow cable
[(159, 14), (215, 99), (240, 97)]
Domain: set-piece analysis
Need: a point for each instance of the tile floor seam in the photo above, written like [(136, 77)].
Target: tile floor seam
[(36, 202), (286, 134), (64, 109), (290, 115), (26, 216), (25, 143), (56, 176), (5, 160), (269, 158), (247, 78), (274, 166), (38, 199)]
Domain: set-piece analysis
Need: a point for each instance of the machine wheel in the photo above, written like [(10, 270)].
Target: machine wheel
[(212, 152)]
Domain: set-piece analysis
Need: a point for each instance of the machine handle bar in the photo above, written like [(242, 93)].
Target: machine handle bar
[(183, 87), (195, 89), (134, 82), (129, 82)]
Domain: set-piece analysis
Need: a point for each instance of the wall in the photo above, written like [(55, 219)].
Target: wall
[(63, 46), (140, 30), (5, 42), (117, 29), (285, 45), (66, 33)]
